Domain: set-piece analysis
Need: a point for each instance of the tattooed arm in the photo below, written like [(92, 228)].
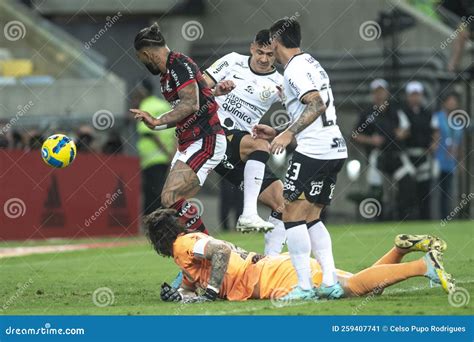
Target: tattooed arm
[(188, 104), (218, 252), (314, 108)]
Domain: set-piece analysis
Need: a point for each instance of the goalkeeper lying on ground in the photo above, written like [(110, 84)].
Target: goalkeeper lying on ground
[(214, 268)]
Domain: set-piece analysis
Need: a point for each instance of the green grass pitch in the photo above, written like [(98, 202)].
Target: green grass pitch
[(64, 283)]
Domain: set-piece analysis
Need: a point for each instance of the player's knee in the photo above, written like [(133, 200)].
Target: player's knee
[(260, 145), (259, 152)]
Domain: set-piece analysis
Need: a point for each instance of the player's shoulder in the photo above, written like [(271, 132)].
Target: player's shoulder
[(236, 57), (232, 58), (191, 237), (177, 58), (277, 77), (301, 61)]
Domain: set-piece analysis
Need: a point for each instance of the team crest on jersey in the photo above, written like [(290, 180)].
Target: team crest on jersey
[(266, 93)]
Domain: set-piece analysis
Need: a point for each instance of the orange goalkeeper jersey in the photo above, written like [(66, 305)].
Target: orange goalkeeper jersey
[(271, 277)]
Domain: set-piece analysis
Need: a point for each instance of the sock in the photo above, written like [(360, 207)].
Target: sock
[(321, 245), (189, 215), (374, 279), (253, 177), (299, 246), (391, 257), (275, 239)]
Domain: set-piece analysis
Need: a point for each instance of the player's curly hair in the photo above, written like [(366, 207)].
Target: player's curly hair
[(162, 228), (149, 36)]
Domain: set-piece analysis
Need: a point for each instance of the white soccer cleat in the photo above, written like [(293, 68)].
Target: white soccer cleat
[(253, 223)]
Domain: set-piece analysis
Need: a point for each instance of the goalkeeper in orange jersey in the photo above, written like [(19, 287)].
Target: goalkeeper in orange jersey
[(214, 268)]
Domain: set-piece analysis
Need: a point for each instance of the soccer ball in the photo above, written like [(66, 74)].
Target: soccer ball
[(58, 151)]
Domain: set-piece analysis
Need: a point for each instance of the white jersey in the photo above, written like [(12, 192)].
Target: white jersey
[(253, 95), (322, 139)]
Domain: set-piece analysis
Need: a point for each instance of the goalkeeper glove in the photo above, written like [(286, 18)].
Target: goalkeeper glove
[(170, 294)]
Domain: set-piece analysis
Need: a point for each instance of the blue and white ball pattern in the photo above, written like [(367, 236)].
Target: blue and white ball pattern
[(58, 151)]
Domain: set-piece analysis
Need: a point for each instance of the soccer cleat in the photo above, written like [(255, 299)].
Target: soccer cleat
[(299, 294), (420, 243), (330, 292), (253, 223), (436, 272)]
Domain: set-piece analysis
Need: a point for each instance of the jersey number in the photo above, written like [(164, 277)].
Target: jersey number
[(323, 116), (295, 169)]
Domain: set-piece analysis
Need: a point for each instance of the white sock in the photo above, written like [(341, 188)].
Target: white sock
[(253, 177), (299, 246), (321, 246), (275, 239)]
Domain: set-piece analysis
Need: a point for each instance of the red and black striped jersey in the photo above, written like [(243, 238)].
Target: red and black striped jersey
[(180, 72)]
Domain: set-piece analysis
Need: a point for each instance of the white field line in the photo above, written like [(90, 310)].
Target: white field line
[(9, 252), (79, 257)]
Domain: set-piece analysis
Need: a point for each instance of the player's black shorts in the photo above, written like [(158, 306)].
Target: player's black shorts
[(311, 179), (232, 167)]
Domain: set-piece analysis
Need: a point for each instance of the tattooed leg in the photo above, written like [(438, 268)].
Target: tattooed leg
[(182, 183)]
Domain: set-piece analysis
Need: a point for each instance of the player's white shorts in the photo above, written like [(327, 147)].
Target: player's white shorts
[(203, 155)]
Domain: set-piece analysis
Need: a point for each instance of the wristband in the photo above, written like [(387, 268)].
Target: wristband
[(160, 127), (211, 293), (210, 287)]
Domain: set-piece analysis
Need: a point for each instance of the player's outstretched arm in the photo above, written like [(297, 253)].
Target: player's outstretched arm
[(188, 104), (314, 108), (220, 88), (210, 83)]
